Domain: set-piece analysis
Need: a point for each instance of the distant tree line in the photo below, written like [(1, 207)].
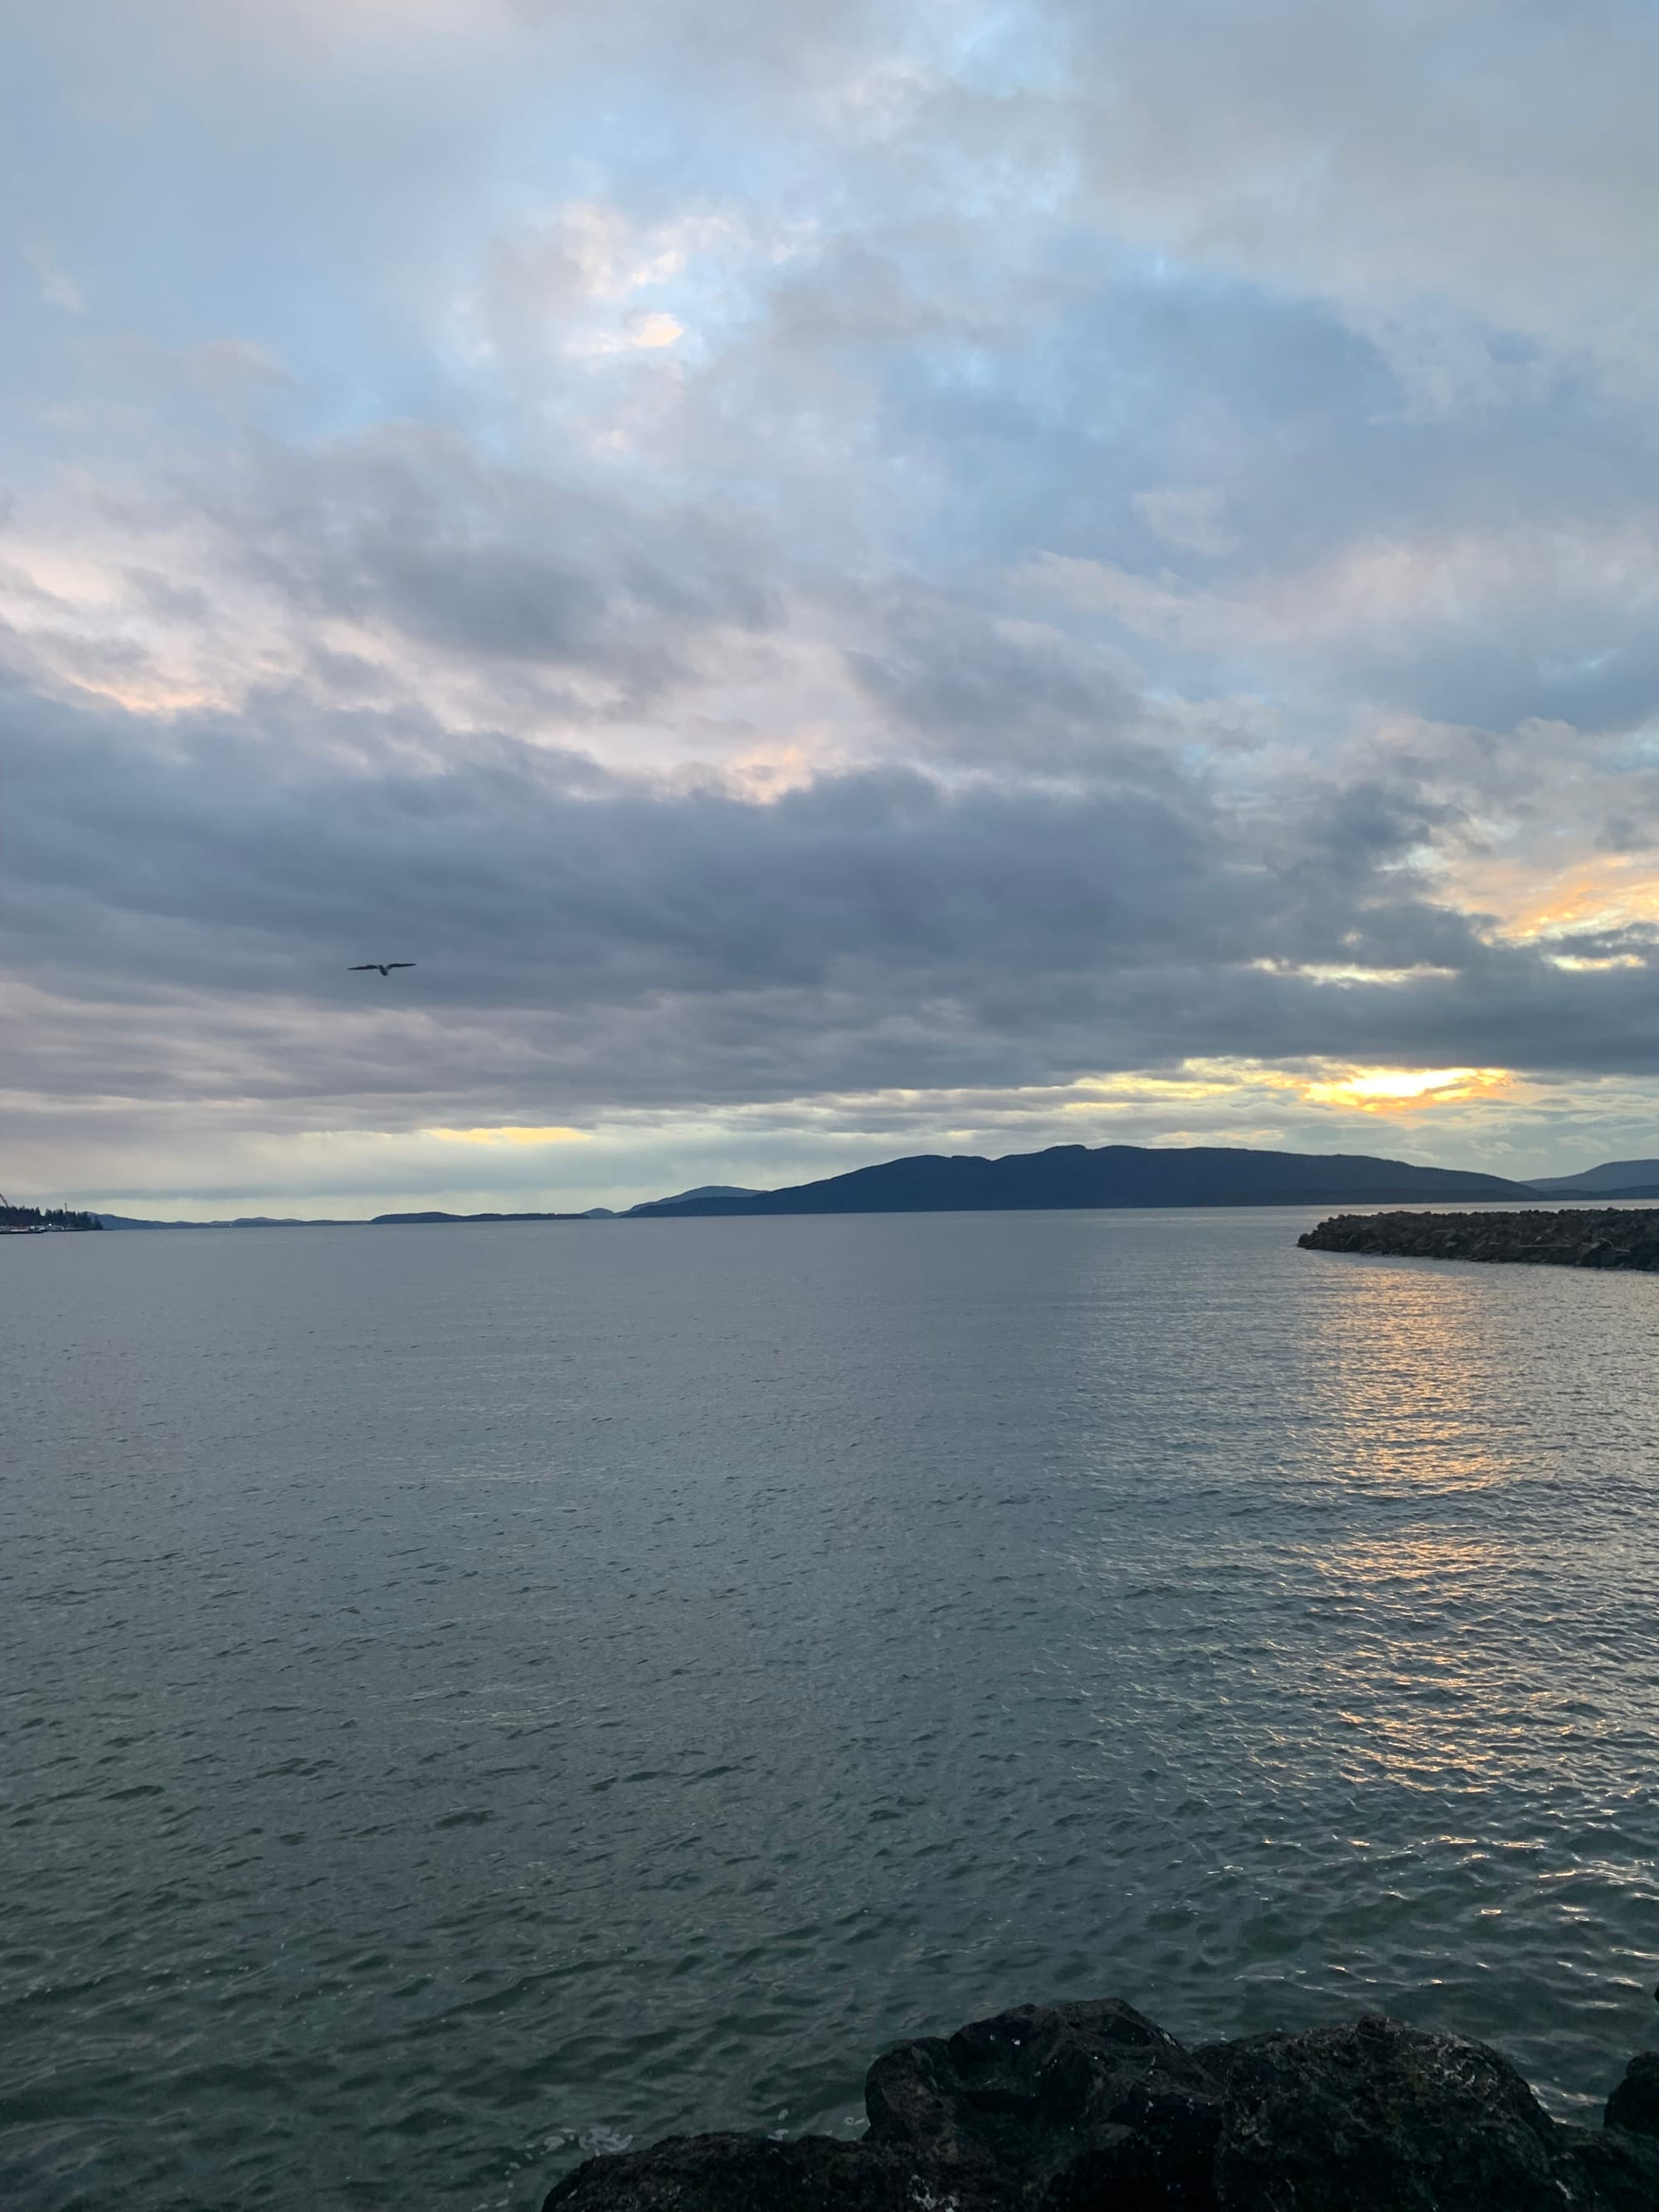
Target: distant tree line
[(45, 1217)]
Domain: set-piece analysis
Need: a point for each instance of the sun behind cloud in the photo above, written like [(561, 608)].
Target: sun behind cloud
[(513, 1135), (1403, 1089)]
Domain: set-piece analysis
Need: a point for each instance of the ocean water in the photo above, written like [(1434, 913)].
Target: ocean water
[(474, 1695)]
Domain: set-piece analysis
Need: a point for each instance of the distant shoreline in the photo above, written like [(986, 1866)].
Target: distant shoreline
[(45, 1221), (1060, 1179), (1266, 1204)]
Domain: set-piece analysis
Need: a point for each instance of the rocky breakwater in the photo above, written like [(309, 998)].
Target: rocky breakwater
[(1577, 1236), (1093, 2108)]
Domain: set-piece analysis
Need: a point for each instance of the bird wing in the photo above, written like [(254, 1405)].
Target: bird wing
[(362, 967), (400, 964)]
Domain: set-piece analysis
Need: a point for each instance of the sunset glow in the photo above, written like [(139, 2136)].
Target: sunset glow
[(1397, 1090), (511, 1135)]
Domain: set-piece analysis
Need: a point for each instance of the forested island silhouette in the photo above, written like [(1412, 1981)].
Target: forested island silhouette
[(37, 1220)]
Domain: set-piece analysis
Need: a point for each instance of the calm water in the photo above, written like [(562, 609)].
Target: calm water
[(474, 1695)]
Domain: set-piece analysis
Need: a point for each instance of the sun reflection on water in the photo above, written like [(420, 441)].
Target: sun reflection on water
[(1402, 1363)]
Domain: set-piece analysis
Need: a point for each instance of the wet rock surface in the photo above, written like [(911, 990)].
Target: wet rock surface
[(1575, 1236), (1634, 2105), (1094, 2108)]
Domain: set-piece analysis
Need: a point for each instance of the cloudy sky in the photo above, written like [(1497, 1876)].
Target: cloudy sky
[(845, 579)]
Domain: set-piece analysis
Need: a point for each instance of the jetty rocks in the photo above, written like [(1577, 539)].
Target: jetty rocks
[(1577, 1236), (1093, 2108)]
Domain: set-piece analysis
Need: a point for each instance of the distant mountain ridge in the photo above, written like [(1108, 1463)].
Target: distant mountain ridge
[(1612, 1179), (1062, 1177), (1073, 1175), (702, 1190), (243, 1221), (426, 1220)]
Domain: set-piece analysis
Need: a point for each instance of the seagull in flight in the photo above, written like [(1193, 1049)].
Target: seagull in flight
[(380, 967)]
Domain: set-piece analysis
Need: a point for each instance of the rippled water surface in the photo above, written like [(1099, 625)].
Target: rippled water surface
[(472, 1695)]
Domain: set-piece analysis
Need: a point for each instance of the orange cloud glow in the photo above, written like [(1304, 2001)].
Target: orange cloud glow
[(516, 1135), (1404, 1089)]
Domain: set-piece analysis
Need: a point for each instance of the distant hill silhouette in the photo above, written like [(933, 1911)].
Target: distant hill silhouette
[(702, 1190), (1069, 1175), (242, 1221), (1612, 1179), (425, 1220), (379, 1221)]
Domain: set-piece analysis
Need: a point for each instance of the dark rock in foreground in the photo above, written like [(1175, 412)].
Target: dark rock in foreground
[(1572, 1238), (1093, 2108), (1634, 2105)]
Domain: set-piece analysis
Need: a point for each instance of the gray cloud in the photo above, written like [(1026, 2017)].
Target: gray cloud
[(608, 947), (412, 530)]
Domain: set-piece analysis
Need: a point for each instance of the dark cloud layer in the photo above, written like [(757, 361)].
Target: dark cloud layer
[(630, 946)]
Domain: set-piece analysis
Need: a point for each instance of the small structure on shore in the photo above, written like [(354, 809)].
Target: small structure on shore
[(1574, 1237)]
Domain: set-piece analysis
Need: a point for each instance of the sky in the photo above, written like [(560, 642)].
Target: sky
[(844, 580)]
